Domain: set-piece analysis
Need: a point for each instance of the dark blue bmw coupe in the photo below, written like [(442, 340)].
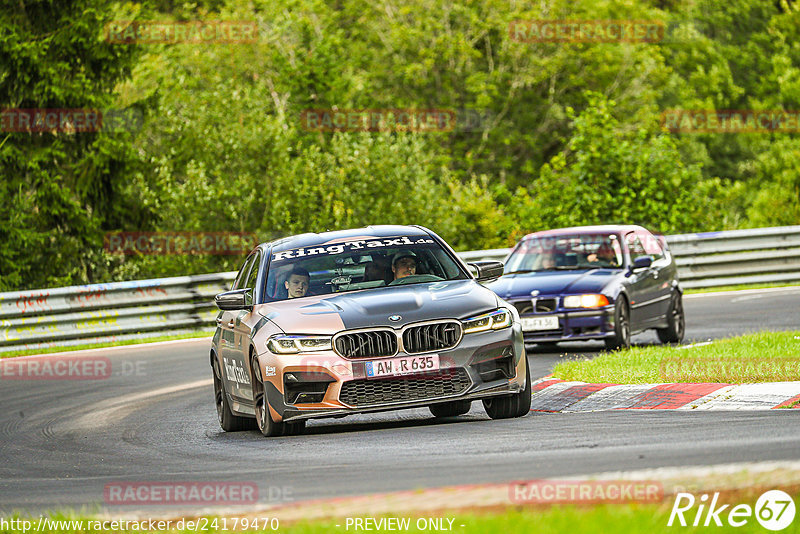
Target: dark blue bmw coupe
[(593, 282)]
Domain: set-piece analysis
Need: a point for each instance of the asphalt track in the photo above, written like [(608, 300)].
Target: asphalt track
[(153, 420)]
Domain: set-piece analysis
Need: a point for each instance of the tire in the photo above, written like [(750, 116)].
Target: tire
[(264, 422), (228, 421), (450, 409), (622, 326), (294, 429), (508, 406), (676, 322)]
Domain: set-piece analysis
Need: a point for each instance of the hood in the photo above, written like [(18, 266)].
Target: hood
[(328, 314), (553, 283)]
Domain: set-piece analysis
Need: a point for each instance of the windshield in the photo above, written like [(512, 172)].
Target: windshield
[(565, 252), (358, 264)]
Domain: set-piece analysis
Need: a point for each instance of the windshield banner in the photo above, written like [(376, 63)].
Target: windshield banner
[(350, 246)]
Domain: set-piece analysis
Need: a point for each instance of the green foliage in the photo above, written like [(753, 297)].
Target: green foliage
[(569, 132), (58, 190), (776, 172), (609, 176)]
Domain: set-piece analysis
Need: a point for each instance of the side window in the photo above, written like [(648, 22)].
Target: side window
[(651, 245), (253, 276), (239, 282), (635, 246)]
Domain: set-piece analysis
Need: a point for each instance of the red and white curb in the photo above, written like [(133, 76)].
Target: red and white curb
[(554, 395)]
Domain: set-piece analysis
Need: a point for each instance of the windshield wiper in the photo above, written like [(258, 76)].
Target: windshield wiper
[(521, 271)]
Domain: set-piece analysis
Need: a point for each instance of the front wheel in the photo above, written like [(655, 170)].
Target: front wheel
[(228, 421), (622, 326), (508, 406), (676, 322), (266, 425)]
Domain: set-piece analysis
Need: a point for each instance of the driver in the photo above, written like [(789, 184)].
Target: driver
[(404, 264), (297, 283), (605, 256)]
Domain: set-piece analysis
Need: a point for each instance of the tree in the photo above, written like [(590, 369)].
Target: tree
[(609, 176), (58, 189)]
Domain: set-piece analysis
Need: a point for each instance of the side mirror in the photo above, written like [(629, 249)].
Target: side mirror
[(487, 270), (239, 299), (642, 262)]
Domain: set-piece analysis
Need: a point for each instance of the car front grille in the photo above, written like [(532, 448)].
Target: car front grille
[(545, 305), (372, 344), (536, 305), (523, 307), (445, 383), (429, 337)]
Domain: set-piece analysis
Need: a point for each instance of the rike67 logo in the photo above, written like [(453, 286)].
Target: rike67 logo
[(774, 510)]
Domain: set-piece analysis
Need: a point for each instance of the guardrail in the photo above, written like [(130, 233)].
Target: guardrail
[(145, 308)]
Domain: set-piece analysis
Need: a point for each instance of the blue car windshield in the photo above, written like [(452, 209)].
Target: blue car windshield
[(565, 252)]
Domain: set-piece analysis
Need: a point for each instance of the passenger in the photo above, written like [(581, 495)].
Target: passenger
[(377, 269), (547, 261), (404, 264), (297, 283)]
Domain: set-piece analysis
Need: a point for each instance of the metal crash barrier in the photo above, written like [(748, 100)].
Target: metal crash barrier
[(140, 309)]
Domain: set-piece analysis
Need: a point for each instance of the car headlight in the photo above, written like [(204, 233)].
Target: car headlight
[(500, 318), (282, 344), (585, 301)]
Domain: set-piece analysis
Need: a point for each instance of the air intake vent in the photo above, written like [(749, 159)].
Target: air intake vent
[(390, 390), (430, 337), (372, 344)]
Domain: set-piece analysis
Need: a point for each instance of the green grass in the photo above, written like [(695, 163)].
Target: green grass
[(737, 288), (50, 350), (603, 518), (607, 518), (761, 357)]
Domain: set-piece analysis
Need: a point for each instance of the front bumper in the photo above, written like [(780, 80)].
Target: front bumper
[(324, 384), (574, 325)]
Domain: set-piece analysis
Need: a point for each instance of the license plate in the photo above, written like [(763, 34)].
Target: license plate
[(540, 323), (402, 366)]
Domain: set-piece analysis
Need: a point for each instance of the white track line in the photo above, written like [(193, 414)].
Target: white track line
[(116, 348), (128, 402), (742, 292)]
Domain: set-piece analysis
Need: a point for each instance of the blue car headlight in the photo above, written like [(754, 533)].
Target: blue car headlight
[(585, 301)]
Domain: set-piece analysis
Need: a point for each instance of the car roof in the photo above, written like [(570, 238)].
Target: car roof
[(597, 229), (322, 238)]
